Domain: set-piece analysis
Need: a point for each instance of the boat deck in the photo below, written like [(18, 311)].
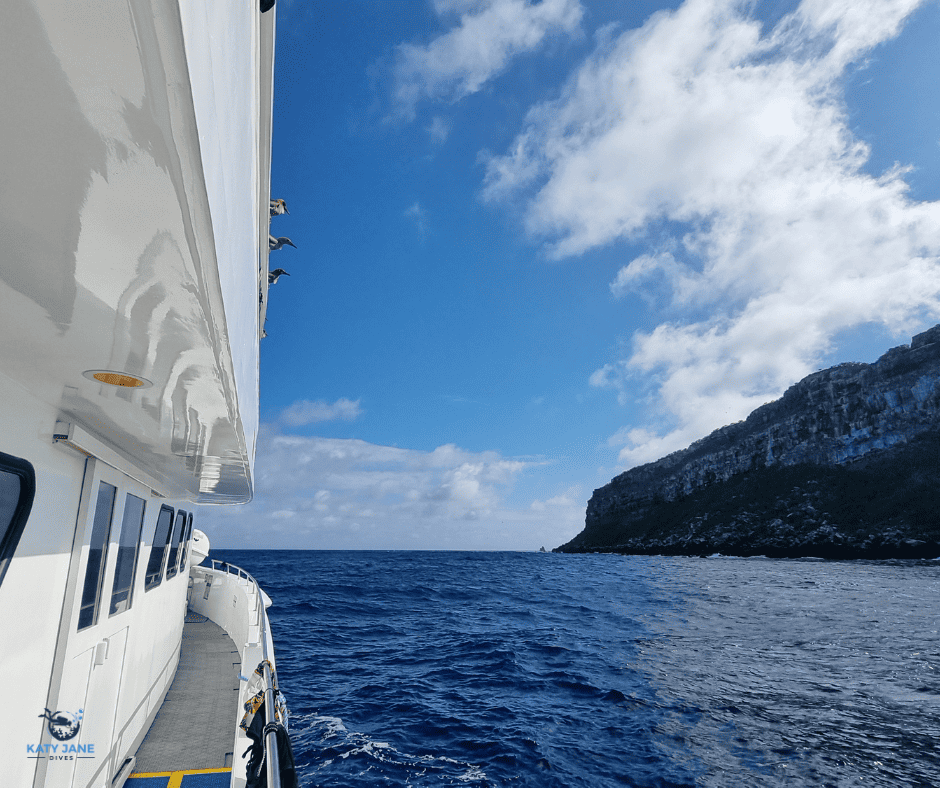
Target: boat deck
[(190, 742)]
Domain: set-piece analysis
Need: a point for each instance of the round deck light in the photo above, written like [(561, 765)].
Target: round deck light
[(120, 379)]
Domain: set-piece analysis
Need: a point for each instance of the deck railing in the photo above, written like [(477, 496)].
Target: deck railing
[(272, 764)]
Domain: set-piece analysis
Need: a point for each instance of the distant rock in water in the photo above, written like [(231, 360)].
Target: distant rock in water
[(845, 465)]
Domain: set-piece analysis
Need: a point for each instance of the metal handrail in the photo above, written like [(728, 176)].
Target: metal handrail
[(272, 764), (270, 728)]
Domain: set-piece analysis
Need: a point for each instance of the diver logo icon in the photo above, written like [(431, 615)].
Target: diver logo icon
[(64, 725)]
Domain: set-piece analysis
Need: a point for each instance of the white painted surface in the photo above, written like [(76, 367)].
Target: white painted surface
[(129, 218), (134, 155), (199, 547), (236, 605), (226, 88), (31, 606)]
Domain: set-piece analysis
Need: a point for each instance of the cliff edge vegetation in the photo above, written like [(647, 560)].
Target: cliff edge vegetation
[(845, 465)]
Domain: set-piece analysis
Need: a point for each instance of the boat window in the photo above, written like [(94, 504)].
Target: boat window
[(184, 553), (122, 592), (172, 566), (97, 556), (161, 535), (17, 488)]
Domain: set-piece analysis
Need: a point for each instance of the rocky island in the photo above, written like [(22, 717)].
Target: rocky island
[(846, 464)]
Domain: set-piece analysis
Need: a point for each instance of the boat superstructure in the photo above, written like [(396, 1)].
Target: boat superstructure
[(135, 151)]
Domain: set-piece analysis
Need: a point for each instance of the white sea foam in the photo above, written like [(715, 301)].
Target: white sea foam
[(474, 774), (333, 725), (354, 744)]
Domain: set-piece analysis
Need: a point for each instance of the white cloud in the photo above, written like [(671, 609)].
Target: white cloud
[(488, 34), (306, 411), (438, 130), (419, 216), (444, 7), (854, 26), (570, 501), (645, 272), (313, 492), (739, 140)]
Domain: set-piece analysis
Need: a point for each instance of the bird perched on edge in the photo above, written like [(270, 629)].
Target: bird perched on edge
[(276, 243), (276, 274), (278, 207)]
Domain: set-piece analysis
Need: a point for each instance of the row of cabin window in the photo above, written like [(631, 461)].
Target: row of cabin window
[(168, 533), (17, 489)]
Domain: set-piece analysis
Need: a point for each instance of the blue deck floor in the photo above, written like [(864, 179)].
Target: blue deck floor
[(194, 779)]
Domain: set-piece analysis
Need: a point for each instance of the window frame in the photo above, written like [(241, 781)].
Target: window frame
[(172, 564), (100, 535), (150, 584), (11, 537), (184, 548), (136, 559)]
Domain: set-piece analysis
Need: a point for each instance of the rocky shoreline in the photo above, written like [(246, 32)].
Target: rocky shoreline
[(845, 465), (876, 512)]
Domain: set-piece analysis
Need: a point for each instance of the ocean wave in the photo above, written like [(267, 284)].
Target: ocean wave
[(369, 760), (435, 669)]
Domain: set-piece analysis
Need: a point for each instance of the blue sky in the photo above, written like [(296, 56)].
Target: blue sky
[(541, 243)]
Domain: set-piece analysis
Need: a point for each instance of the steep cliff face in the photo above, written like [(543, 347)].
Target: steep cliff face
[(831, 419)]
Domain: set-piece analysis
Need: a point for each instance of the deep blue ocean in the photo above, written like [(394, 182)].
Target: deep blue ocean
[(535, 669)]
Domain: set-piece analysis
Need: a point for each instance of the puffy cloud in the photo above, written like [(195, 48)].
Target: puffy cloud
[(647, 269), (306, 411), (736, 141), (341, 493), (488, 34)]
